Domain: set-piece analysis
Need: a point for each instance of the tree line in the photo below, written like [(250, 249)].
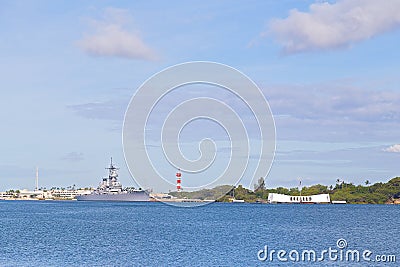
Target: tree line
[(378, 193)]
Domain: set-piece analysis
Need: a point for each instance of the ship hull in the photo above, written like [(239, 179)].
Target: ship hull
[(129, 197)]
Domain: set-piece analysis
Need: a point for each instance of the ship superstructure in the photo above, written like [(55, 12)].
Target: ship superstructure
[(110, 189)]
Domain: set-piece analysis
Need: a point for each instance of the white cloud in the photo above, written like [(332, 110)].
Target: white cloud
[(335, 112), (108, 110), (336, 25), (110, 38), (330, 111), (339, 102), (394, 148)]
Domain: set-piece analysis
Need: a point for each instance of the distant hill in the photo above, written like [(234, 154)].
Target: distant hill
[(204, 194)]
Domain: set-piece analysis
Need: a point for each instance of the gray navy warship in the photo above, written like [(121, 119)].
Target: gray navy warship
[(110, 189)]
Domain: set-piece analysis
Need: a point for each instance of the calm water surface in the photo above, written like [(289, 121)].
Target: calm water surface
[(63, 233)]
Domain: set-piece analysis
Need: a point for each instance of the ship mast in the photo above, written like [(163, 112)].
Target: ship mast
[(112, 173), (37, 179), (112, 169)]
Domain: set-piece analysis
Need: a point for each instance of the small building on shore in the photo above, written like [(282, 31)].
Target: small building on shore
[(313, 199), (52, 194)]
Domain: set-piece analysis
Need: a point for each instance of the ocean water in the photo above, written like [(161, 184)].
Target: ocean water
[(70, 233)]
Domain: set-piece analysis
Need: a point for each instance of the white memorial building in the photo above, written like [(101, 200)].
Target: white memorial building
[(314, 199)]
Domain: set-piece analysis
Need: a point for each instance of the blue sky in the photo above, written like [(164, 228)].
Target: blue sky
[(328, 69)]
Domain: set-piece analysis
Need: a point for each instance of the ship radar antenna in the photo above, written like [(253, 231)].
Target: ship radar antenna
[(112, 167)]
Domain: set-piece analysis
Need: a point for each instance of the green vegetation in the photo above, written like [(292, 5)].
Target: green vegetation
[(204, 194), (378, 193)]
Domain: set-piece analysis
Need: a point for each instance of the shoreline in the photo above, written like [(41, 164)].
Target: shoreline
[(193, 201)]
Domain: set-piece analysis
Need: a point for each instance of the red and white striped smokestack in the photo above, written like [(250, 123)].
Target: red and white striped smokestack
[(178, 181)]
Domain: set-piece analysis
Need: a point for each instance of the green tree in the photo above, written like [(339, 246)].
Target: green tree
[(260, 185), (294, 191), (282, 190)]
